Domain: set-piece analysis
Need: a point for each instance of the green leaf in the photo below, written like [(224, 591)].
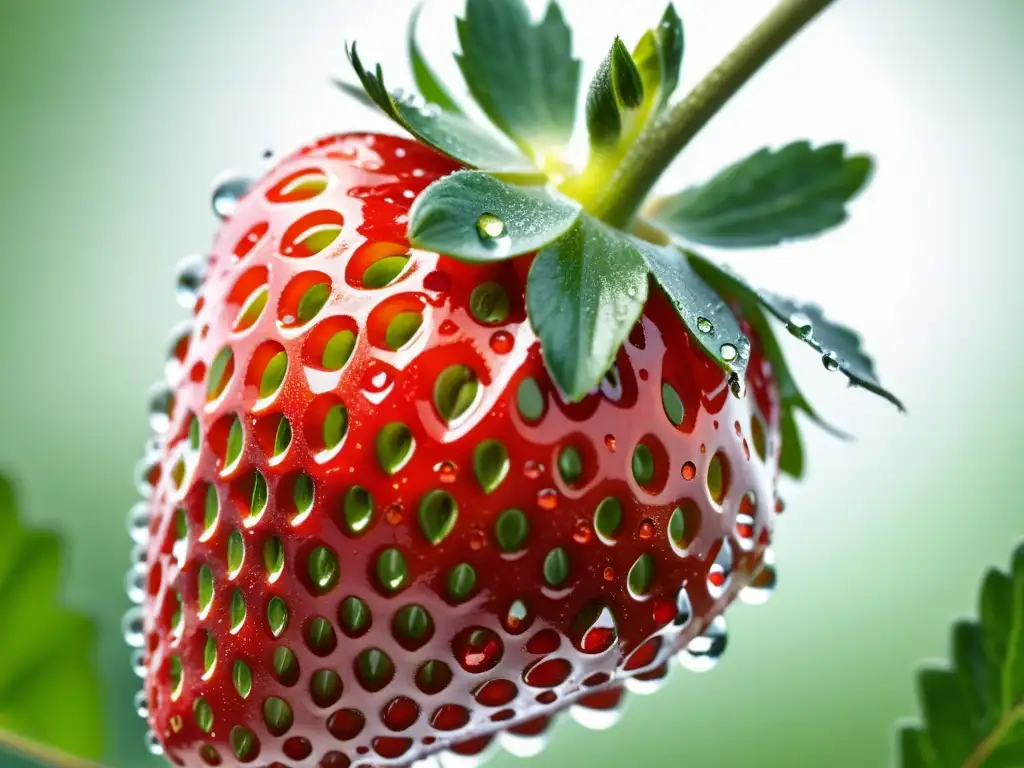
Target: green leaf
[(669, 43), (701, 309), (839, 347), (430, 86), (522, 74), (584, 293), (454, 135), (973, 713), (354, 91), (768, 198), (473, 216), (47, 653), (617, 87)]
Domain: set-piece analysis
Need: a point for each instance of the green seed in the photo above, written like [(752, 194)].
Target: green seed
[(384, 271), (273, 557), (684, 524), (252, 309), (286, 666), (325, 688), (338, 351), (511, 529), (273, 374), (489, 303), (358, 509), (374, 669), (204, 589), (530, 400), (455, 390), (491, 464), (283, 438), (241, 676), (335, 426), (641, 575), (433, 677), (570, 464), (302, 495), (209, 655), (394, 447), (277, 616), (758, 436), (193, 434), (180, 525), (242, 742), (236, 553), (219, 375), (323, 569), (178, 617), (717, 478), (277, 715), (608, 518), (237, 610), (438, 515), (260, 495), (413, 622), (556, 567), (354, 616), (401, 329), (320, 636), (643, 464), (204, 714), (312, 301), (175, 676), (236, 440), (392, 569), (210, 510), (672, 404), (461, 582)]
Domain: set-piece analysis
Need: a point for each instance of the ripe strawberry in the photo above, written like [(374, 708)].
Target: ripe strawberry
[(378, 533), (406, 505)]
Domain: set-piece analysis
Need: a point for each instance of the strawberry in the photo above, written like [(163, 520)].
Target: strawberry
[(389, 516)]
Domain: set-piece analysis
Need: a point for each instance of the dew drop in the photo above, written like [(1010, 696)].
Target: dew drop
[(227, 192), (532, 470), (447, 472), (800, 325), (830, 361), (609, 442), (729, 352), (704, 325), (689, 470), (547, 499), (502, 342), (582, 533), (490, 227)]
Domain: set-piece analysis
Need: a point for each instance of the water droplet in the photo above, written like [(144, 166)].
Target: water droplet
[(502, 342), (704, 325), (800, 325), (583, 533), (609, 442), (704, 651), (532, 470), (780, 506), (191, 273), (762, 585), (689, 470), (430, 111), (141, 705), (547, 499), (736, 385), (447, 472), (138, 523), (830, 361), (517, 614), (138, 663), (132, 627), (161, 401), (729, 352), (609, 574), (448, 328), (153, 744), (477, 540), (135, 586), (646, 529), (393, 514), (227, 191)]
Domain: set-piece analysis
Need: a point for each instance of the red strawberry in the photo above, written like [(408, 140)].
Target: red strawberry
[(377, 531)]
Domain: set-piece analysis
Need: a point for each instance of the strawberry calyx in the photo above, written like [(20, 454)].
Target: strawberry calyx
[(595, 238)]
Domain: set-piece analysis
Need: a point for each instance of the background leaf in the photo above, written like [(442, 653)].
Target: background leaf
[(49, 688), (973, 713), (584, 293), (473, 216), (659, 56), (767, 198), (522, 74)]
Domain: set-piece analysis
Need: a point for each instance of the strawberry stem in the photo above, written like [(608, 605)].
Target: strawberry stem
[(665, 138)]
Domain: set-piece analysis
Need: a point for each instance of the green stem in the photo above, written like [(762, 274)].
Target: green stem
[(666, 137)]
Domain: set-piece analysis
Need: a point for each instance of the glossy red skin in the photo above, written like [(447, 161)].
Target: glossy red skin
[(369, 179)]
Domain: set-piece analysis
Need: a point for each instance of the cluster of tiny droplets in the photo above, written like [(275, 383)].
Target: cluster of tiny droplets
[(191, 272)]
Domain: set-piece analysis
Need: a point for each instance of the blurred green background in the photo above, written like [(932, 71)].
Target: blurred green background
[(116, 115)]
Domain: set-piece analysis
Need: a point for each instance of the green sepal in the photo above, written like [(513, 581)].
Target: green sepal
[(767, 198), (454, 135), (354, 91), (460, 216), (522, 74), (616, 87), (47, 653), (819, 333), (659, 57), (429, 84), (584, 293), (710, 321), (973, 711)]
